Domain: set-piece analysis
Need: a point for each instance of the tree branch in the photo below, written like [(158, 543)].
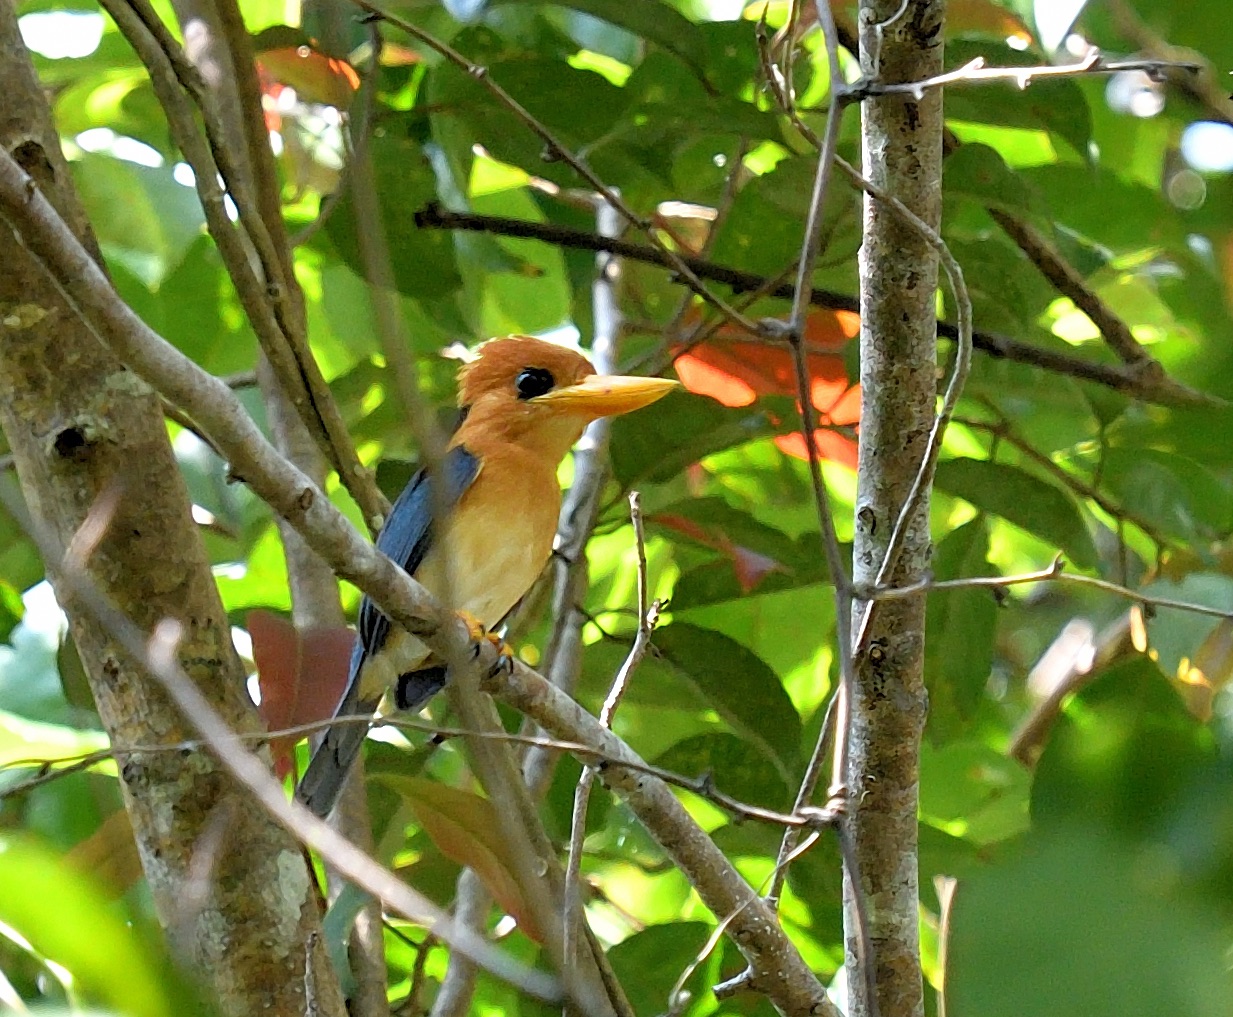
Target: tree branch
[(92, 451), (1164, 391), (779, 970)]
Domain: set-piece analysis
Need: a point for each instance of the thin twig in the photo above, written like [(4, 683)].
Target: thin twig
[(159, 656), (778, 969), (837, 711), (994, 344), (648, 614), (1055, 573), (703, 785), (974, 72), (274, 319), (557, 149), (1206, 88)]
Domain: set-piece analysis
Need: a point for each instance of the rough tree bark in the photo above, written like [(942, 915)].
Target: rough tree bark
[(90, 446), (902, 151)]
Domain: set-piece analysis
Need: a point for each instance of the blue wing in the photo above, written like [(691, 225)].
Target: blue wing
[(406, 539)]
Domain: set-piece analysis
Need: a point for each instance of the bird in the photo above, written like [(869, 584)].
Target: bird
[(524, 403)]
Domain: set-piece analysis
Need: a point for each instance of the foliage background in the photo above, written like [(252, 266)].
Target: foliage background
[(1098, 877)]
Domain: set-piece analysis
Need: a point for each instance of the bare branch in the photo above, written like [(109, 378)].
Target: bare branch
[(267, 300), (649, 617), (975, 72), (1053, 574)]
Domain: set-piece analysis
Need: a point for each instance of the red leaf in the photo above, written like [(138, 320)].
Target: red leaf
[(736, 372), (750, 566), (301, 676)]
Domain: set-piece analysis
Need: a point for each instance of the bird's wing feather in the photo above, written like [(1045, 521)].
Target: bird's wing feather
[(407, 536), (406, 539)]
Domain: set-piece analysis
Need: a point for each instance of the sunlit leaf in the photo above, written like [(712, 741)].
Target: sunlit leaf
[(745, 692), (653, 20), (1022, 499), (960, 629), (65, 919), (656, 443)]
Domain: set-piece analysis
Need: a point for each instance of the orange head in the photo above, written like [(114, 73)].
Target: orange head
[(542, 396)]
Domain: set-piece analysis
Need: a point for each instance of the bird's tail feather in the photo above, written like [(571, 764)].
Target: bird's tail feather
[(327, 771)]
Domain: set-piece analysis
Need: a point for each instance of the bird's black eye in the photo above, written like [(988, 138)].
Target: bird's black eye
[(533, 381)]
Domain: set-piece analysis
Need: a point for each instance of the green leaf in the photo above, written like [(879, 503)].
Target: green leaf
[(1120, 756), (1022, 499), (64, 918), (762, 231), (652, 20), (739, 685), (1099, 205), (1005, 297), (190, 305), (1059, 107), (152, 228), (1176, 635), (655, 444), (31, 740), (1078, 925), (959, 630), (421, 261), (649, 962), (979, 172), (667, 104), (969, 786), (736, 767), (11, 609), (1180, 496)]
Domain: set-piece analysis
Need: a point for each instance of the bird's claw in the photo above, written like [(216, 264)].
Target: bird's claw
[(504, 667), (480, 634)]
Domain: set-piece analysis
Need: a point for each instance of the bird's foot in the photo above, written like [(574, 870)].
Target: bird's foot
[(480, 634)]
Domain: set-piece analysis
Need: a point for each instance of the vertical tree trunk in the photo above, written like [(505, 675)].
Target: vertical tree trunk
[(233, 890), (902, 150)]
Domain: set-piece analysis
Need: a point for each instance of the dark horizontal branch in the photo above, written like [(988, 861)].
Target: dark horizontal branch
[(1127, 379)]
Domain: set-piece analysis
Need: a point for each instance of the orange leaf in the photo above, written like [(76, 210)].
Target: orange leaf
[(109, 855), (314, 76), (736, 372), (983, 17), (394, 55), (467, 829), (301, 676), (832, 447)]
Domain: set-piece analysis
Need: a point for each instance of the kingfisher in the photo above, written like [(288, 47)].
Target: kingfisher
[(524, 402)]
